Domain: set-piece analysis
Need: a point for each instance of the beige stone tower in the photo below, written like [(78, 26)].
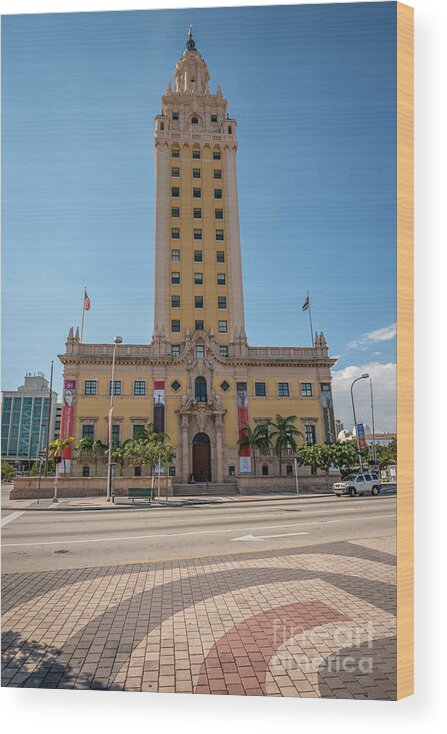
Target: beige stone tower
[(198, 276)]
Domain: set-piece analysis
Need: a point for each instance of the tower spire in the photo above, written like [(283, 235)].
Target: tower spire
[(190, 44)]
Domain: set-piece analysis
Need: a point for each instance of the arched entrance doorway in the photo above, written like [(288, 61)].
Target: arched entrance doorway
[(201, 457)]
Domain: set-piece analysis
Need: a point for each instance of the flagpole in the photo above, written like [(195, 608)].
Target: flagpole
[(310, 321), (83, 312)]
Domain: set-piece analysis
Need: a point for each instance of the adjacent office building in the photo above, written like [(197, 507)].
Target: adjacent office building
[(25, 414)]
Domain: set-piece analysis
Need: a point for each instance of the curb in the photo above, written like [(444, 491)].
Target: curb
[(174, 505)]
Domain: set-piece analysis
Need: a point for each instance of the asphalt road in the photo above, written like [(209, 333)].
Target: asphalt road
[(38, 541)]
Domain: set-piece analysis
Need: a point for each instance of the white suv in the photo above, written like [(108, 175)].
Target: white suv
[(358, 484)]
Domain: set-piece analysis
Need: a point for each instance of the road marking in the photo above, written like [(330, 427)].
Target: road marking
[(10, 518), (177, 535), (264, 537)]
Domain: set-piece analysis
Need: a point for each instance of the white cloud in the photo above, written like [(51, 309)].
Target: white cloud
[(384, 392), (386, 333)]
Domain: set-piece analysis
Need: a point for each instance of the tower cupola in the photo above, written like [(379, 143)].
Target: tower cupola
[(191, 72)]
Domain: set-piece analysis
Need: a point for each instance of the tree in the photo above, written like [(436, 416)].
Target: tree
[(57, 448), (92, 449), (320, 455), (119, 454), (285, 433), (8, 471), (344, 456), (256, 439), (385, 454), (147, 449), (98, 449)]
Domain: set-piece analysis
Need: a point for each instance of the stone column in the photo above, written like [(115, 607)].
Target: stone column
[(219, 449), (185, 448)]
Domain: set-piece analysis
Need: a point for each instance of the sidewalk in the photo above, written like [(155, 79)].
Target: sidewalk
[(266, 624), (122, 503)]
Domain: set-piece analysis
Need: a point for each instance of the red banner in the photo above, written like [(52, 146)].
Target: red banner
[(242, 420), (67, 416), (159, 406)]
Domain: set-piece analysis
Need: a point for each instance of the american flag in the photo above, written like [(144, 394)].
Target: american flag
[(86, 302)]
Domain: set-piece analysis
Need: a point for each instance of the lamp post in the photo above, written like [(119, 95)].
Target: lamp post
[(117, 340), (363, 377), (372, 420)]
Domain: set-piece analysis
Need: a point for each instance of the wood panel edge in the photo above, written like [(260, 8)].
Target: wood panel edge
[(405, 350)]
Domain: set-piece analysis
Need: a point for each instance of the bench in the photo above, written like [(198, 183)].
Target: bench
[(140, 493)]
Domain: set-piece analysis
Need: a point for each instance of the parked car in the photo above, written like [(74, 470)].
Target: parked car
[(358, 484)]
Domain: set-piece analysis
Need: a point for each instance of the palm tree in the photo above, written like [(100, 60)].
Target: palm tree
[(84, 447), (256, 439), (98, 448), (119, 454), (285, 432), (57, 448), (90, 448)]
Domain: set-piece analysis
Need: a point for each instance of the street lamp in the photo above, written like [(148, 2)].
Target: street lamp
[(363, 377), (372, 419), (117, 340)]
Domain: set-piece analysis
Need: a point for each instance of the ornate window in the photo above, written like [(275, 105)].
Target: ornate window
[(200, 390), (176, 385), (225, 386)]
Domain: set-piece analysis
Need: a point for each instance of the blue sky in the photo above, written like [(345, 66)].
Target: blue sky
[(313, 90)]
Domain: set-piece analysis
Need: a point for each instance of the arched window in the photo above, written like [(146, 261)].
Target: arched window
[(162, 126), (229, 129), (200, 391), (194, 120)]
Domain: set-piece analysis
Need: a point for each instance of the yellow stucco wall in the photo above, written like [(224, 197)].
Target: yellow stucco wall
[(187, 267)]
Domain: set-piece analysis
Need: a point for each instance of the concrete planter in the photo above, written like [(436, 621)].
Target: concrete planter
[(26, 488), (249, 484)]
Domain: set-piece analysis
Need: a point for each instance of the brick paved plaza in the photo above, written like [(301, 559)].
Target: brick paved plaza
[(314, 621)]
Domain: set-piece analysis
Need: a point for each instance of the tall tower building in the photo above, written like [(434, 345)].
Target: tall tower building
[(198, 380), (198, 271)]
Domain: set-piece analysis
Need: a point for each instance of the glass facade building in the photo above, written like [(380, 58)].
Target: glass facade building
[(25, 416)]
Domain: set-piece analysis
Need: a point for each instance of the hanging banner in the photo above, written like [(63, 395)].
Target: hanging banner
[(159, 406), (67, 418), (328, 413), (361, 439), (242, 420)]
